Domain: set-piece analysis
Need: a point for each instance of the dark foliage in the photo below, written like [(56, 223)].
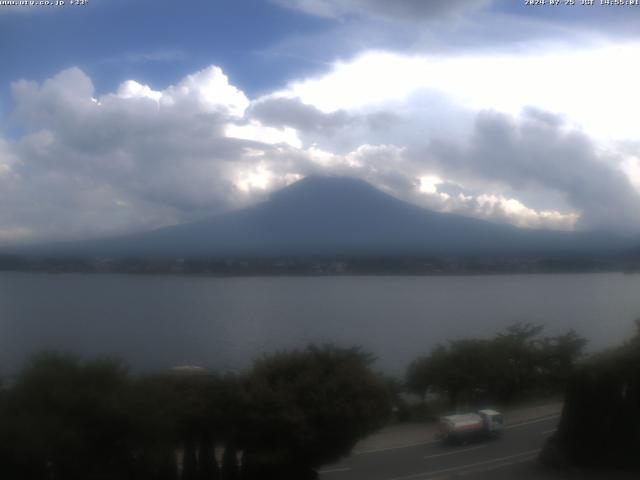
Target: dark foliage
[(515, 363), (600, 424), (67, 419), (308, 408)]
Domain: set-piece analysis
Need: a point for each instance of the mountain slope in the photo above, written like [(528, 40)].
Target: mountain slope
[(337, 215)]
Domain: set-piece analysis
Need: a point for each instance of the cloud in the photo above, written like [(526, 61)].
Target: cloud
[(281, 112), (437, 26), (129, 160), (515, 163), (409, 175), (400, 9), (90, 164), (504, 82), (338, 131), (257, 132), (535, 152), (533, 170)]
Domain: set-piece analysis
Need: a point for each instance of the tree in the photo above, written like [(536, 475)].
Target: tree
[(558, 356), (189, 413), (419, 377), (518, 359), (68, 420), (6, 450), (600, 423), (155, 403), (308, 408), (515, 363), (462, 369)]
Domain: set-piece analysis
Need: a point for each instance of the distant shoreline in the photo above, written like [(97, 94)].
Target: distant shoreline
[(318, 275), (328, 265)]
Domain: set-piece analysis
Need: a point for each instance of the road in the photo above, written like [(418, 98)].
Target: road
[(499, 458)]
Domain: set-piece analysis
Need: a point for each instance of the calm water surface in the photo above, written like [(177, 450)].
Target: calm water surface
[(156, 322)]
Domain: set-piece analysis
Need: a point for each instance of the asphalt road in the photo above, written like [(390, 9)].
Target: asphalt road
[(516, 450)]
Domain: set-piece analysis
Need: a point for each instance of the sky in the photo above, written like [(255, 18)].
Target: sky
[(120, 116)]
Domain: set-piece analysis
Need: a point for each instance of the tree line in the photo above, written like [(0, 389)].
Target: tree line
[(517, 363), (68, 418), (65, 418)]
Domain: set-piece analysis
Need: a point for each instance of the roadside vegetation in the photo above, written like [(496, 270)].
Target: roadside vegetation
[(600, 424), (68, 418), (520, 363), (65, 418)]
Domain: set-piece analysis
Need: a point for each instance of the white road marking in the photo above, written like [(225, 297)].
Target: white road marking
[(454, 452), (547, 432), (464, 467), (335, 470), (530, 422)]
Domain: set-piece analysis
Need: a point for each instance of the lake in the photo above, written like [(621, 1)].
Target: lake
[(155, 322)]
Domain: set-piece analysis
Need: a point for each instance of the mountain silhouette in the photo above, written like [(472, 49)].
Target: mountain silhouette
[(327, 215)]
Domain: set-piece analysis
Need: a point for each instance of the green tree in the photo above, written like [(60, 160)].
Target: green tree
[(419, 377), (155, 403), (68, 420), (515, 363), (600, 423), (463, 370), (558, 357), (518, 359), (308, 408), (189, 413)]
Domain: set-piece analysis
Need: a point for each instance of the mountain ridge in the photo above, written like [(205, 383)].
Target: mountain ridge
[(332, 215)]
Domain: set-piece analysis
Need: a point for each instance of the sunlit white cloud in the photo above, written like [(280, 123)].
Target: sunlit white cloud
[(257, 132), (144, 156), (211, 89), (133, 89), (515, 212), (392, 169), (592, 87), (257, 177), (429, 183), (631, 167)]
